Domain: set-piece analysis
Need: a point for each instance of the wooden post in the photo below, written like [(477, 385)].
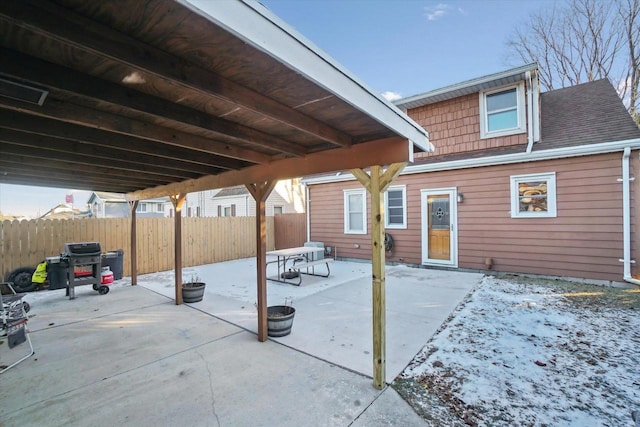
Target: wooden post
[(260, 192), (133, 205), (177, 201), (377, 183)]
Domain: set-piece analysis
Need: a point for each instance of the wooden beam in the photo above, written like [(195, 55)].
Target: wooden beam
[(35, 147), (46, 172), (19, 179), (72, 82), (67, 27), (363, 177), (100, 119), (383, 151), (133, 205), (260, 192), (93, 171), (178, 200), (54, 128), (393, 171)]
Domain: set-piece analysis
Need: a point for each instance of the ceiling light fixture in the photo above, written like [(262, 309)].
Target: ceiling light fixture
[(22, 92)]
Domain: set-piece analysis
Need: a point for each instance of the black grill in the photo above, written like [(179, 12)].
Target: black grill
[(84, 261)]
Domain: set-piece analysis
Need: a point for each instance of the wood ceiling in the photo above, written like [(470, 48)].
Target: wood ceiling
[(152, 97)]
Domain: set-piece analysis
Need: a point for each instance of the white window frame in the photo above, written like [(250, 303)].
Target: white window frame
[(550, 178), (223, 210), (520, 113), (402, 188), (142, 207), (276, 207), (159, 207), (347, 226)]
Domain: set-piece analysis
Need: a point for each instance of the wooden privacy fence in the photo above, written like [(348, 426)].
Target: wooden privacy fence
[(290, 230), (204, 240)]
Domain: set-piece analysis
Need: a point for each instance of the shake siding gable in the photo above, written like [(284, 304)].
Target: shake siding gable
[(454, 127), (583, 241)]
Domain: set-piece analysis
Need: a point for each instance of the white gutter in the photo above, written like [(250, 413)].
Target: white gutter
[(529, 111), (308, 203), (556, 153), (626, 218)]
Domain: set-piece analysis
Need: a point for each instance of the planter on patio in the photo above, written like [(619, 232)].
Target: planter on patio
[(280, 320), (193, 291)]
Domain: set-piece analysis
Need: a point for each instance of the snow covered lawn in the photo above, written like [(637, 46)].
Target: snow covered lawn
[(532, 352)]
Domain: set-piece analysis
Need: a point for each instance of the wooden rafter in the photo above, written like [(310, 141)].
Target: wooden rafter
[(75, 83), (53, 128), (30, 144), (51, 21), (76, 114)]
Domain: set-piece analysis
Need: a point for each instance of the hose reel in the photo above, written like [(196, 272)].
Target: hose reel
[(388, 242)]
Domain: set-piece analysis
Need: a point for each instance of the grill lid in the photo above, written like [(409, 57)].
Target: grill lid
[(82, 248)]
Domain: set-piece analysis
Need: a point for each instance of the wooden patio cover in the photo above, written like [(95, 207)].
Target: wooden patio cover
[(156, 97)]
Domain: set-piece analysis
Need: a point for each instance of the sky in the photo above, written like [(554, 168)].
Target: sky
[(397, 48)]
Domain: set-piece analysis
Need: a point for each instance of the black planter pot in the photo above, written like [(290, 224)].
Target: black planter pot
[(280, 320), (193, 291)]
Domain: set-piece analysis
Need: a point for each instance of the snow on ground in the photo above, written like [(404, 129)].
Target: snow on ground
[(534, 354)]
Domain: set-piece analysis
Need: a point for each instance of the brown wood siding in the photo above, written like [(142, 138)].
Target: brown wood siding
[(583, 241), (454, 126)]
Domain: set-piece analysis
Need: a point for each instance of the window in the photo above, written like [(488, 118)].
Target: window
[(277, 210), (159, 207), (502, 112), (396, 207), (355, 212), (533, 196), (142, 207), (229, 210)]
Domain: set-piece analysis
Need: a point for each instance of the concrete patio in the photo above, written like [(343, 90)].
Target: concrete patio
[(132, 356)]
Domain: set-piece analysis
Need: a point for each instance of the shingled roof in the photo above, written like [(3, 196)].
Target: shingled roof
[(584, 114)]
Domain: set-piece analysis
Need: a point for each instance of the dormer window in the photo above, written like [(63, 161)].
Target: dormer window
[(502, 111)]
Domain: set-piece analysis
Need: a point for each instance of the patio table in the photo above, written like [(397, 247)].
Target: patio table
[(300, 257)]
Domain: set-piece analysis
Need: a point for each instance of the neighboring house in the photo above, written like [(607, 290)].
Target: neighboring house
[(63, 211), (286, 197), (114, 205), (520, 182)]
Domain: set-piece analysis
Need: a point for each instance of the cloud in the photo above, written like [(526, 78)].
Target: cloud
[(391, 96), (436, 12)]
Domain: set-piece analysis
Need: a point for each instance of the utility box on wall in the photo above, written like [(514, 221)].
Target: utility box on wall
[(314, 256)]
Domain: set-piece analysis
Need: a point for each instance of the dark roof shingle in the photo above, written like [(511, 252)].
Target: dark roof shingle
[(588, 113)]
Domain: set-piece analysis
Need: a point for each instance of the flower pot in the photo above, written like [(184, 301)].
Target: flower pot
[(280, 320), (193, 291)]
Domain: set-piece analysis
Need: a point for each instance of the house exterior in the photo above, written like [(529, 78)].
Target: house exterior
[(64, 211), (114, 205), (287, 197), (520, 182)]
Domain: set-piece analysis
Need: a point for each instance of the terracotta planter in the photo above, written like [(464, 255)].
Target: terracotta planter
[(193, 291)]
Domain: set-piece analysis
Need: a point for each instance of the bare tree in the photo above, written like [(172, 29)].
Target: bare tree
[(585, 40)]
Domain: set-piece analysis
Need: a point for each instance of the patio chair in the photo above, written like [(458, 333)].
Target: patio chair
[(14, 326)]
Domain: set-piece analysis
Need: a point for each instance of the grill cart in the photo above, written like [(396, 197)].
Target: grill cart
[(84, 263)]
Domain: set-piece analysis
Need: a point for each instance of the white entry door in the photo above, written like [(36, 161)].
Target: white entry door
[(439, 227)]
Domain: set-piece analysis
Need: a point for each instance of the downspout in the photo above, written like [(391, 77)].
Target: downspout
[(307, 202), (529, 111), (626, 218)]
